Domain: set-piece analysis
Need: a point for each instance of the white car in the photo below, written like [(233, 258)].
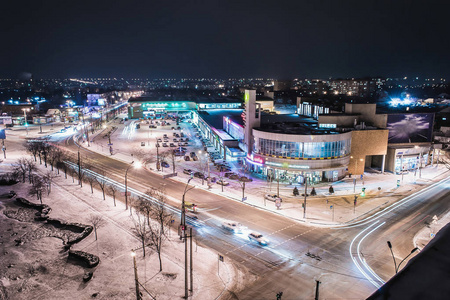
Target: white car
[(233, 226), (259, 238), (273, 198)]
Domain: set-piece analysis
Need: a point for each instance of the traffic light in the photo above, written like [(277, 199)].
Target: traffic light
[(363, 192)]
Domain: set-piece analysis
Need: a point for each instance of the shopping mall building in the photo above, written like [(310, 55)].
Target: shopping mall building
[(321, 146)]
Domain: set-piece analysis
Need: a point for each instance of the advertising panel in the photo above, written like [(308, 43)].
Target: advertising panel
[(410, 128)]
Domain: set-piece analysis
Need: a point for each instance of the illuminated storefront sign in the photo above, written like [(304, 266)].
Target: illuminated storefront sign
[(285, 165), (255, 159)]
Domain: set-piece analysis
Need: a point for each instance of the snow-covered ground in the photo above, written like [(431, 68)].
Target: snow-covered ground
[(40, 269)]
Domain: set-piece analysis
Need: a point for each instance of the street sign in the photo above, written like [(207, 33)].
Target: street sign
[(244, 198), (110, 144), (331, 206), (221, 258), (2, 134)]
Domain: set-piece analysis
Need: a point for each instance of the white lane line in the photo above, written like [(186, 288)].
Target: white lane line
[(363, 262), (354, 260)]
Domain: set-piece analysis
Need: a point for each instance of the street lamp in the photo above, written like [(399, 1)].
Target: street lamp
[(136, 280), (397, 268), (25, 115), (137, 166), (183, 235)]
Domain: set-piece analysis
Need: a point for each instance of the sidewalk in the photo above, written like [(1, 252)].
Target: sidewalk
[(322, 209)]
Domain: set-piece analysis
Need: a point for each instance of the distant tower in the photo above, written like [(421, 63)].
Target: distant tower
[(251, 117)]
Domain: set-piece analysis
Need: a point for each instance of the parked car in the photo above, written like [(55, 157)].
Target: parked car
[(175, 140), (273, 198), (187, 158), (187, 171), (259, 238), (228, 174), (165, 164), (233, 226), (177, 152), (172, 145), (199, 175), (193, 154), (222, 182), (159, 140), (178, 127), (165, 145)]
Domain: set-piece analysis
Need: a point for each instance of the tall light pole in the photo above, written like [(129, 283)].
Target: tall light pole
[(25, 115), (136, 280), (137, 165), (397, 267), (183, 235)]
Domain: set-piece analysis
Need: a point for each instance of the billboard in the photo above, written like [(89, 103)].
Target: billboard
[(410, 128)]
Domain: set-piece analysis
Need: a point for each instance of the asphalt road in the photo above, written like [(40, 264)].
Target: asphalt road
[(284, 265)]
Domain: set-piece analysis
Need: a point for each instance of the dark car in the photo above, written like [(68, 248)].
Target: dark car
[(187, 171), (172, 145), (193, 154), (199, 175), (165, 164)]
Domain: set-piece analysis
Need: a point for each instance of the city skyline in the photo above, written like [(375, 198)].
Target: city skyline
[(232, 39)]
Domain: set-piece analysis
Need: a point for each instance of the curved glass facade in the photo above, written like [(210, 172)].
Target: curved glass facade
[(303, 150)]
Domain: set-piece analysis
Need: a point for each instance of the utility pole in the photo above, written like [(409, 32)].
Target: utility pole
[(304, 201), (354, 204), (191, 264), (136, 280), (186, 295), (278, 184), (4, 148), (317, 290), (79, 166)]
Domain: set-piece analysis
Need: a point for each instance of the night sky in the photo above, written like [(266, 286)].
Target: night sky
[(221, 39)]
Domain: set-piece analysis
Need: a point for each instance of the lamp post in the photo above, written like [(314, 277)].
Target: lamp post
[(137, 165), (183, 235), (397, 267), (25, 115), (136, 280)]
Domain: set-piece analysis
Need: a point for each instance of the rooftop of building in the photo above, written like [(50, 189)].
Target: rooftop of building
[(214, 117), (184, 97), (292, 124)]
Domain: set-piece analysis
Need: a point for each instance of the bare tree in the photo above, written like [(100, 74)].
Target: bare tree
[(21, 167), (141, 229), (38, 187), (160, 224), (31, 167), (112, 189), (48, 179), (102, 182), (144, 206), (91, 179), (97, 221), (54, 156), (33, 147)]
